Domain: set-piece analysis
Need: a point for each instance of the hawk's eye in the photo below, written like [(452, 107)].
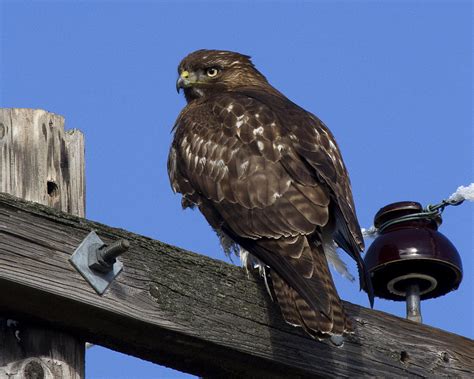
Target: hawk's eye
[(211, 72)]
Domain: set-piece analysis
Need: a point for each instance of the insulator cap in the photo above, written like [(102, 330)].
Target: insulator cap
[(411, 252)]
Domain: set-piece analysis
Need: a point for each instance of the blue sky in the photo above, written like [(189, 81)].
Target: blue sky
[(392, 79)]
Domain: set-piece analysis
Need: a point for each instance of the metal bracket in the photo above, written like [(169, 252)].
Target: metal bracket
[(97, 262)]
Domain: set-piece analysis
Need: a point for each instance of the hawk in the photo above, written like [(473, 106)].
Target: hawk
[(268, 176)]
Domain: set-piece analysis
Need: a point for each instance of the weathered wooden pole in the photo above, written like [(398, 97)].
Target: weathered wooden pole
[(40, 162)]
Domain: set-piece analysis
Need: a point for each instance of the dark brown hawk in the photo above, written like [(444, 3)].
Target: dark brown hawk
[(268, 175)]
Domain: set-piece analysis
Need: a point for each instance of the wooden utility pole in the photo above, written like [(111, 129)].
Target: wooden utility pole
[(40, 162)]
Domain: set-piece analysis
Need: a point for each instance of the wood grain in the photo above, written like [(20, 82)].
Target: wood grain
[(197, 314), (40, 162)]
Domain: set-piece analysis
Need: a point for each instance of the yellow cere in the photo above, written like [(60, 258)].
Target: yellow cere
[(185, 74)]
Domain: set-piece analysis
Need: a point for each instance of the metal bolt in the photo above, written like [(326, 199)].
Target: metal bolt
[(97, 262), (103, 258), (111, 252)]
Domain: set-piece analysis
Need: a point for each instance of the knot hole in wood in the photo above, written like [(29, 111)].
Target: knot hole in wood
[(53, 189), (33, 370), (404, 357)]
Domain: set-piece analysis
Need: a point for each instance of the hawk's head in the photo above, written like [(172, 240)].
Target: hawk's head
[(205, 72)]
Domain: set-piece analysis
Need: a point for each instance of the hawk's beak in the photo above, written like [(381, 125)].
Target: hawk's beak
[(185, 80)]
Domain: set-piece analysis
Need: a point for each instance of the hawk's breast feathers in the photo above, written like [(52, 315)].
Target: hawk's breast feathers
[(273, 162)]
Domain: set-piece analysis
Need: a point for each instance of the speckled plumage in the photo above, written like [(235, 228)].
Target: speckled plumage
[(269, 175)]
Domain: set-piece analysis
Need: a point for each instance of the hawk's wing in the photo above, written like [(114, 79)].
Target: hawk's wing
[(269, 174)]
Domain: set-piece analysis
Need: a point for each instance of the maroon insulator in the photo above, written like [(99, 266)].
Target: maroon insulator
[(410, 260)]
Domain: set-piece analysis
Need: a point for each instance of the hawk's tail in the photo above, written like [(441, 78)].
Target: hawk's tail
[(296, 310), (302, 283)]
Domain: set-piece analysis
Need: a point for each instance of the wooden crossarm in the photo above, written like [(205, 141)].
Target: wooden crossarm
[(194, 313)]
